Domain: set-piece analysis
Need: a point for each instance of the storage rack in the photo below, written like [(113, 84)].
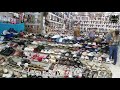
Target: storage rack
[(7, 17), (33, 23), (60, 22), (101, 23)]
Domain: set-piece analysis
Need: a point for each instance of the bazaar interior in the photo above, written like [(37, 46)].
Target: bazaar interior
[(59, 45)]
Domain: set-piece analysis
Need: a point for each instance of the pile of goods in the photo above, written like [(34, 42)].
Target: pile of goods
[(38, 57)]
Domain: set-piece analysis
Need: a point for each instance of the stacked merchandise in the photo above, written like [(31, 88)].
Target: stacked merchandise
[(40, 56), (5, 19), (11, 17), (33, 22), (60, 23), (8, 34), (103, 24)]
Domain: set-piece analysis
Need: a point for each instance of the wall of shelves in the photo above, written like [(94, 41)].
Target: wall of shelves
[(33, 22), (63, 22), (11, 17), (101, 23), (60, 22)]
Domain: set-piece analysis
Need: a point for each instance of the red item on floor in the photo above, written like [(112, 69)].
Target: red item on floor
[(34, 56), (40, 58)]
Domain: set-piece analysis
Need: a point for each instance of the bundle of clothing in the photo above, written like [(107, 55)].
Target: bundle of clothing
[(7, 51), (9, 34)]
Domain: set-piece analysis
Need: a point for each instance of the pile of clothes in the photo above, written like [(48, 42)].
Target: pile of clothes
[(34, 52), (7, 51), (9, 34)]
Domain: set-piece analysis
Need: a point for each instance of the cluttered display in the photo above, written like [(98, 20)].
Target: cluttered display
[(27, 55)]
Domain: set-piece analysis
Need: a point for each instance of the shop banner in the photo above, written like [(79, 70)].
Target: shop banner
[(17, 27)]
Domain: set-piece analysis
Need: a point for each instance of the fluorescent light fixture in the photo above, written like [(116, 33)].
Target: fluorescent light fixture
[(76, 13)]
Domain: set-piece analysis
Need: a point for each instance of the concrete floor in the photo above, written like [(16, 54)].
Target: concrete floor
[(115, 69)]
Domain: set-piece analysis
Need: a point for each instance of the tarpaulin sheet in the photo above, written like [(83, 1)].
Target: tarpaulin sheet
[(17, 27)]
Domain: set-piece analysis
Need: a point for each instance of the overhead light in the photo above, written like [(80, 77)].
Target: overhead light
[(76, 13)]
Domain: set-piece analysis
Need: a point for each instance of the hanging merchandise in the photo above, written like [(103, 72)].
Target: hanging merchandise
[(16, 15), (114, 19), (12, 20), (21, 17)]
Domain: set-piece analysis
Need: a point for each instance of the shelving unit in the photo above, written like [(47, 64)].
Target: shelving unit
[(33, 23), (60, 22), (63, 22), (101, 23), (8, 17)]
